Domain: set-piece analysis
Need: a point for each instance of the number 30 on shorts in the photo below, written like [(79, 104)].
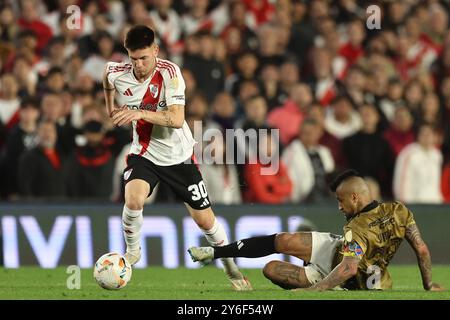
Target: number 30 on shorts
[(198, 191)]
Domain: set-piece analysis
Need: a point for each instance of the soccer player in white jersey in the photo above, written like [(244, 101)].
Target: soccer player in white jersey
[(151, 92)]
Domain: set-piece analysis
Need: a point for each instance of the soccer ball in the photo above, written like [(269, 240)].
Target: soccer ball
[(112, 271)]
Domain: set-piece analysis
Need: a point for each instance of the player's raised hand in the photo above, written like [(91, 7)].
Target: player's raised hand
[(126, 116)]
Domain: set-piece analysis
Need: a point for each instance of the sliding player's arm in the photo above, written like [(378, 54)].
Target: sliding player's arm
[(341, 273), (110, 91), (173, 117), (423, 257)]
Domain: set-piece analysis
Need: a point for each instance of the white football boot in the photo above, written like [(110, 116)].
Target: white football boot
[(205, 255), (133, 257)]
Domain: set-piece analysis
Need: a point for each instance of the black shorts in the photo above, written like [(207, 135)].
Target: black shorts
[(184, 179)]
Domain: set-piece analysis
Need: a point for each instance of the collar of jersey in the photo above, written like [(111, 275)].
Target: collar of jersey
[(367, 208)]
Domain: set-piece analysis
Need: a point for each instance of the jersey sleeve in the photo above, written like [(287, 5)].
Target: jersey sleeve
[(110, 69), (406, 214), (174, 87), (355, 245)]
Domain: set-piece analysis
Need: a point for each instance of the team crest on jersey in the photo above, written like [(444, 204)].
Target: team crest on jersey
[(154, 90)]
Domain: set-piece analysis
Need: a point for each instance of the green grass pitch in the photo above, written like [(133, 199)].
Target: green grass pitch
[(203, 284)]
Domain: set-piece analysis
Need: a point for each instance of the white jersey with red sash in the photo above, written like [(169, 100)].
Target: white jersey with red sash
[(161, 145)]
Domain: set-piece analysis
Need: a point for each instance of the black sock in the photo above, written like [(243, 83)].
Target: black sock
[(248, 248)]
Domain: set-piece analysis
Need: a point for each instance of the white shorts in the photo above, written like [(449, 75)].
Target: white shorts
[(323, 250)]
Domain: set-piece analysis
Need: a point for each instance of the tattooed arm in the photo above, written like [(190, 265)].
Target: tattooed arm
[(423, 257), (172, 117), (343, 271)]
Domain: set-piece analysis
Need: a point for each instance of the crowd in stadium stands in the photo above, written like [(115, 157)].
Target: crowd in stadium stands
[(342, 95)]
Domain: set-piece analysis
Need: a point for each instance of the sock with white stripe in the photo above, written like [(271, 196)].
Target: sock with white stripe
[(131, 224), (254, 247), (217, 237)]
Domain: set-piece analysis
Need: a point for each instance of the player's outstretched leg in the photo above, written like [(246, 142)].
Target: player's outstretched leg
[(216, 236), (136, 191), (297, 244)]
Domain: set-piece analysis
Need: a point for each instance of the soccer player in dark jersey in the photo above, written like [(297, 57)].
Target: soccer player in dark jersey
[(358, 260)]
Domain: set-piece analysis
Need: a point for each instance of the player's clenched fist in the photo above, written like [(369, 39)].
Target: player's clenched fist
[(126, 116)]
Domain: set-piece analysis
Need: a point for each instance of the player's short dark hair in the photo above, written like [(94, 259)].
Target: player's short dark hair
[(139, 37), (347, 174)]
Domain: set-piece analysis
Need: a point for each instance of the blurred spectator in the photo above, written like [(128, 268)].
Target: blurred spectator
[(54, 81), (396, 14), (247, 90), (54, 57), (302, 31), (208, 72), (26, 77), (353, 49), (191, 83), (272, 188), (271, 88), (393, 99), (167, 23), (198, 110), (290, 76), (401, 132), (30, 20), (269, 49), (95, 64), (40, 171), (246, 66), (438, 24), (221, 179), (255, 114), (415, 182), (414, 94), (308, 164), (289, 117), (341, 120), (9, 100), (54, 109), (430, 111), (89, 169), (8, 26), (322, 81), (262, 10), (224, 110), (21, 138), (355, 84), (368, 152), (317, 112), (242, 22)]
